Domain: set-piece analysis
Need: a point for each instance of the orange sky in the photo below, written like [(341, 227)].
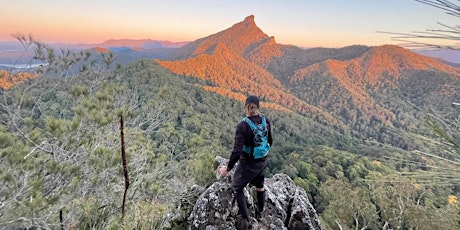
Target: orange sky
[(329, 23)]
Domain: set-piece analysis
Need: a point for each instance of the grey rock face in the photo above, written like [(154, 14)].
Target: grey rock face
[(286, 206)]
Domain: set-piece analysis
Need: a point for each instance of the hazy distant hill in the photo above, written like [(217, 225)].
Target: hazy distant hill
[(126, 50), (446, 55), (134, 44)]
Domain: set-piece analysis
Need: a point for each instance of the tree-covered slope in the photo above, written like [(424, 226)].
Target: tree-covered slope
[(61, 145), (61, 158)]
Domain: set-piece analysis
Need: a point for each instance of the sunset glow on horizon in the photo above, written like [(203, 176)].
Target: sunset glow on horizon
[(331, 23)]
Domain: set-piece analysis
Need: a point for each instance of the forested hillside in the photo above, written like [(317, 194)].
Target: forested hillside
[(378, 99), (360, 90)]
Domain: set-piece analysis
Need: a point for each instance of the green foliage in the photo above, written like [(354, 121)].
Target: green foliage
[(201, 164), (404, 203), (141, 215), (6, 140), (90, 214), (351, 211)]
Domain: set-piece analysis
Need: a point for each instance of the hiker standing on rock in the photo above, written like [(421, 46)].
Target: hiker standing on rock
[(253, 139)]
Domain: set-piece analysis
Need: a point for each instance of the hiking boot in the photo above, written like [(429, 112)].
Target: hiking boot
[(243, 224), (258, 215), (248, 224)]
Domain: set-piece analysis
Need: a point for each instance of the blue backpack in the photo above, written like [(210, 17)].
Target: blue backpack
[(261, 146)]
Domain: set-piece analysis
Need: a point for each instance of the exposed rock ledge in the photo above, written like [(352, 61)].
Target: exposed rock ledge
[(286, 206)]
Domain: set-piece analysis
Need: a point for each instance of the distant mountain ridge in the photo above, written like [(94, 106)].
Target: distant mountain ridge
[(126, 50), (335, 86), (452, 56), (369, 68), (134, 44)]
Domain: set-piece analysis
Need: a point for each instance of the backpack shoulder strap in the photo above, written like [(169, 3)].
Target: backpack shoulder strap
[(249, 122)]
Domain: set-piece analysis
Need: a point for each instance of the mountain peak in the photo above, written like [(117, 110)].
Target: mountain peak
[(249, 20), (237, 38), (247, 25)]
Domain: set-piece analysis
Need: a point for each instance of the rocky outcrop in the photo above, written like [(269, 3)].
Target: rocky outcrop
[(286, 206)]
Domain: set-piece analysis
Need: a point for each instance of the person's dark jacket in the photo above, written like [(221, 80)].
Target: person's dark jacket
[(244, 136)]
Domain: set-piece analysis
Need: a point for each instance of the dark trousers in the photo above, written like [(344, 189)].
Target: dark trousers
[(246, 172)]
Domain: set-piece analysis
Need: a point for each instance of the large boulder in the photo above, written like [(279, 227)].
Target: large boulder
[(286, 206)]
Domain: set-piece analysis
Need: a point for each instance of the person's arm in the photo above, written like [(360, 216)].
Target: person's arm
[(237, 146)]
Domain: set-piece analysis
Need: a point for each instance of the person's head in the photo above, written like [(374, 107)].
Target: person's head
[(251, 106)]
